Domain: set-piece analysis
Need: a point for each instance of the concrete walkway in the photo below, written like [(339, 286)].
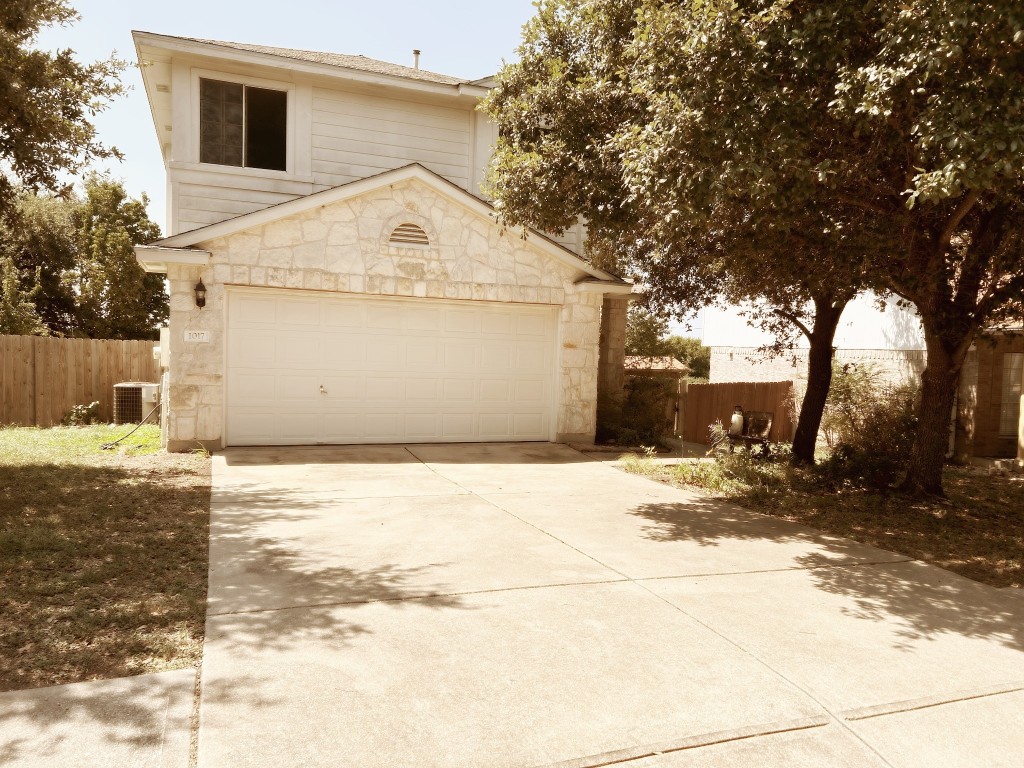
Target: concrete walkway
[(524, 605), (129, 722)]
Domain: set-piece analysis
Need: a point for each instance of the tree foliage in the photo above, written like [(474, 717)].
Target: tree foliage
[(796, 144), (647, 336), (47, 100), (73, 259), (18, 316)]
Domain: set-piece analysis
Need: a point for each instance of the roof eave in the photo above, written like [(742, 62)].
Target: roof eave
[(196, 48)]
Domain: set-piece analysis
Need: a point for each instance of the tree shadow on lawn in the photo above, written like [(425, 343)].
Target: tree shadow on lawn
[(103, 571), (924, 599)]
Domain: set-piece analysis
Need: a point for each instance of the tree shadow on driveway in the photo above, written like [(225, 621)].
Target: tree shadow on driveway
[(924, 600)]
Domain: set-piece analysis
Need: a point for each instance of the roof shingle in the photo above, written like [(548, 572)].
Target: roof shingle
[(347, 61)]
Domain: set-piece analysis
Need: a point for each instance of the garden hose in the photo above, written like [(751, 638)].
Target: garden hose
[(110, 446)]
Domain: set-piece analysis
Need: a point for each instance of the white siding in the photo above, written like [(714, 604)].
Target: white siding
[(202, 197), (355, 136)]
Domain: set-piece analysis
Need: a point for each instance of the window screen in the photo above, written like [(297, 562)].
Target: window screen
[(1009, 403), (221, 111), (242, 125)]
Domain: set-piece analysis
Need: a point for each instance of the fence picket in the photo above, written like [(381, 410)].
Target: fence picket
[(44, 378)]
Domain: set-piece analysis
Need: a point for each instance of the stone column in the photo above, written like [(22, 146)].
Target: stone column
[(612, 352)]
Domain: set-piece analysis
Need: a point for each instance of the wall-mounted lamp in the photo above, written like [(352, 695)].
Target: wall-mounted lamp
[(200, 294)]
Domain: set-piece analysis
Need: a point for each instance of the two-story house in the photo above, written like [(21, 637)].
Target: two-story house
[(335, 273)]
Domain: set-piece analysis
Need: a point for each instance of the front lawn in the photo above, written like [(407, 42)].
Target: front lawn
[(977, 531), (103, 555)]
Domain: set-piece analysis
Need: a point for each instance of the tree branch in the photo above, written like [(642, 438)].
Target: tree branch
[(794, 320), (958, 215)]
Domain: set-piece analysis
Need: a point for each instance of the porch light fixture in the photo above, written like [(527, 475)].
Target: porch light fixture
[(200, 294)]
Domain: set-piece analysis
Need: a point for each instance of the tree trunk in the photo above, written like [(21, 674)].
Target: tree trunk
[(819, 379), (938, 390)]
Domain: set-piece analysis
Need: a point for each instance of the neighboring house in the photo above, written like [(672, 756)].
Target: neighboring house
[(887, 338), (357, 287), (989, 414)]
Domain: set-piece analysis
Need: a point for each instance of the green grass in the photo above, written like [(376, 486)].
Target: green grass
[(62, 444), (103, 555), (976, 531)]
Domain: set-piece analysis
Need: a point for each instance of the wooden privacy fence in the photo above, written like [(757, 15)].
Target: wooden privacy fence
[(41, 379), (704, 404)]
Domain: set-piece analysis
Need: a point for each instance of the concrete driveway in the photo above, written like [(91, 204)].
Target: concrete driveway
[(524, 605)]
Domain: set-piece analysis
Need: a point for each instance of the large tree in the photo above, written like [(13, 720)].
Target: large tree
[(74, 260), (647, 335), (894, 131), (47, 100), (572, 116)]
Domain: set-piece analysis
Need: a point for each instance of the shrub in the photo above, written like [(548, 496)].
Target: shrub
[(81, 415), (869, 427), (638, 417)]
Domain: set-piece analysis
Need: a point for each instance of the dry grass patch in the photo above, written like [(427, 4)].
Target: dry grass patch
[(103, 556), (977, 531)]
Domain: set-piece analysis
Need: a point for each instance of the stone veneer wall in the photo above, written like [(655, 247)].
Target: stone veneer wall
[(342, 248)]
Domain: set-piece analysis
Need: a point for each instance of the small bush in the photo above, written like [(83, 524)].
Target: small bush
[(639, 416), (82, 415), (869, 426)]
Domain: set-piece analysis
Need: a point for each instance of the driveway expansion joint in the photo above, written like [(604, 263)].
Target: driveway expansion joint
[(880, 710), (631, 754)]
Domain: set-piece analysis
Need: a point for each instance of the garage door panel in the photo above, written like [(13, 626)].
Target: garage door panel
[(459, 389), (423, 389), (386, 354), (296, 388), (347, 315), (252, 349), (296, 350), (298, 312), (497, 356), (422, 425), (342, 353), (424, 319), (528, 425), (423, 355), (384, 426), (461, 356), (458, 426), (380, 388), (462, 321), (254, 309), (531, 392), (498, 389), (343, 389), (349, 369), (253, 388)]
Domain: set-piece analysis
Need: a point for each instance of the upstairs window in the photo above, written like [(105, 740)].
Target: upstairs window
[(242, 125)]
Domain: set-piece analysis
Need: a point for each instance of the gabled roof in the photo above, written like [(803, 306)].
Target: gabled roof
[(597, 280), (343, 60)]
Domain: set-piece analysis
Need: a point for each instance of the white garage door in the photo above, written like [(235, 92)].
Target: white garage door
[(305, 369)]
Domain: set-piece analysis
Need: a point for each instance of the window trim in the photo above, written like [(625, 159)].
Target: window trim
[(198, 74), (1003, 392)]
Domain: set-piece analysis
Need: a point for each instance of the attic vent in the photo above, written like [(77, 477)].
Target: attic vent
[(408, 234)]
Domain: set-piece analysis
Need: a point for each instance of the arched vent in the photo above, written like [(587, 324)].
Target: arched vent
[(408, 234)]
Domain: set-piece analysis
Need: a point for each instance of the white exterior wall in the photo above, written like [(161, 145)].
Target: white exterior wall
[(336, 135), (358, 135), (342, 248)]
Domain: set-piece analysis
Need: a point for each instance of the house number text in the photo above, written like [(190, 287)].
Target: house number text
[(197, 336)]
